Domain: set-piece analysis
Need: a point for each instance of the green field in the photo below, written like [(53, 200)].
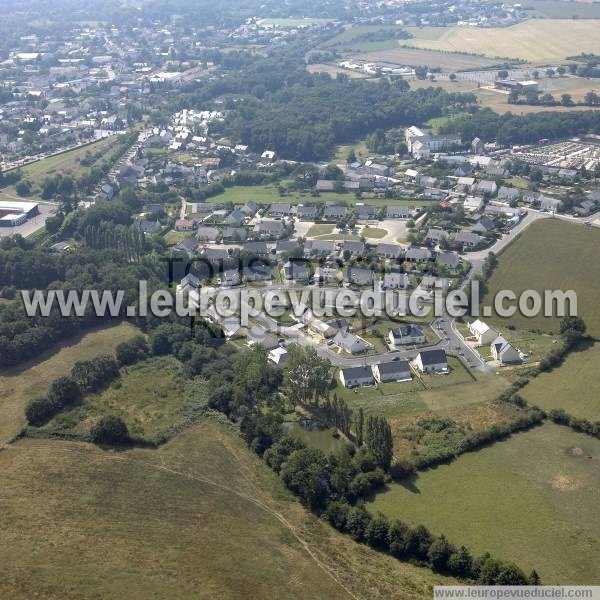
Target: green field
[(351, 39), (532, 499), (201, 517), (153, 398), (375, 233), (66, 163), (285, 22), (537, 41), (17, 386), (268, 194), (551, 255), (572, 387), (319, 229)]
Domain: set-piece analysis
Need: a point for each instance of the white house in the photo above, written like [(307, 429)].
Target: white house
[(349, 342), (279, 356), (482, 332), (504, 351), (432, 361), (356, 377)]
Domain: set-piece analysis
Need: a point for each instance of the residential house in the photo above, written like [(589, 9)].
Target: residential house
[(187, 245), (365, 212), (185, 225), (207, 234), (473, 203), (483, 333), (286, 247), (259, 335), (435, 236), (258, 271), (235, 218), (486, 186), (147, 227), (334, 212), (326, 274), (354, 248), (395, 370), (278, 356), (237, 234), (319, 248), (188, 283), (389, 251), (430, 283), (449, 260), (296, 271), (255, 248), (508, 194), (395, 281), (406, 334), (306, 213), (358, 276), (229, 278), (280, 210), (249, 209), (350, 343), (504, 352), (465, 184), (215, 254), (269, 228), (467, 239), (432, 361), (397, 211), (417, 255), (550, 204), (356, 377)]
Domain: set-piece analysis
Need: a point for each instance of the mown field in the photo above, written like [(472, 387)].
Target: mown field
[(18, 386), (536, 41), (532, 499), (201, 517), (551, 255)]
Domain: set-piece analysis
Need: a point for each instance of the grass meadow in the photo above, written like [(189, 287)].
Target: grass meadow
[(202, 517), (532, 499)]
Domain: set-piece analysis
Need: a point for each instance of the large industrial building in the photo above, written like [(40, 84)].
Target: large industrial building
[(16, 213)]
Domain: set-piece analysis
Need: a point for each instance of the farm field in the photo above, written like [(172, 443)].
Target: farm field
[(572, 386), (202, 517), (447, 61), (151, 397), (537, 41), (515, 499), (351, 39), (533, 262), (18, 386)]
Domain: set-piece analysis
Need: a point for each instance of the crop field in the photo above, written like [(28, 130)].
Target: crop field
[(202, 517), (151, 397), (18, 386), (551, 255), (532, 499), (537, 41), (573, 386), (447, 61), (352, 40)]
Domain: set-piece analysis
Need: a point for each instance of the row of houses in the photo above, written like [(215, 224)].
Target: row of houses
[(432, 361)]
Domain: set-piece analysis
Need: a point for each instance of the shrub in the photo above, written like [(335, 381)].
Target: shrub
[(132, 351), (40, 411), (110, 430)]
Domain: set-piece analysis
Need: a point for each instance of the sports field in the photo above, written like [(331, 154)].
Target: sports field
[(532, 499), (202, 517), (537, 41)]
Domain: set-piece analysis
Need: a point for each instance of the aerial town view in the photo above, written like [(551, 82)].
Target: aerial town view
[(299, 299)]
